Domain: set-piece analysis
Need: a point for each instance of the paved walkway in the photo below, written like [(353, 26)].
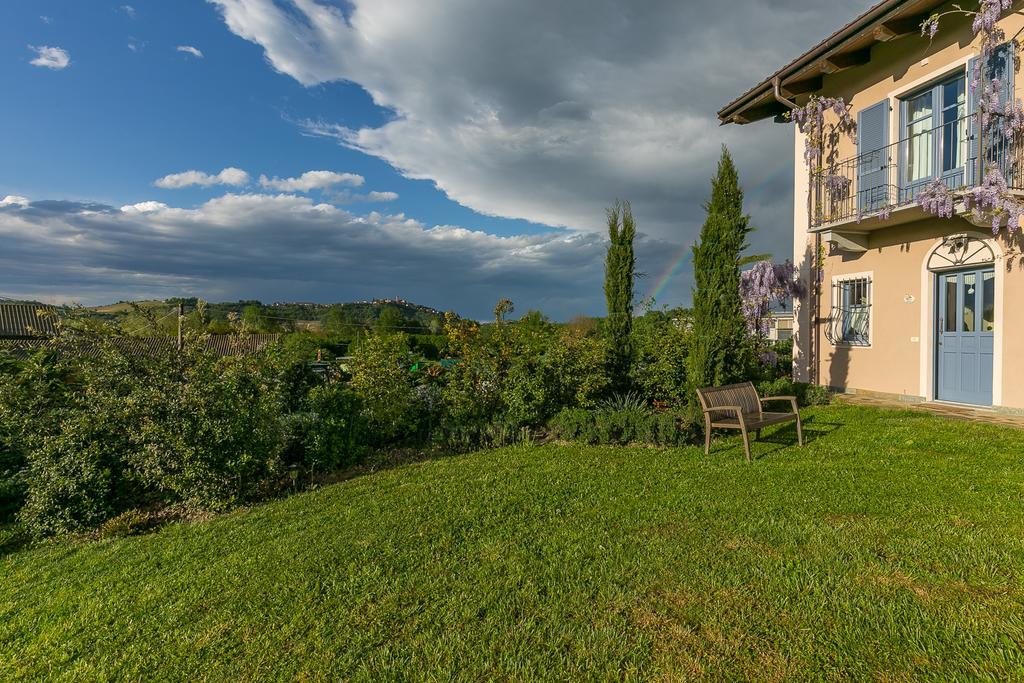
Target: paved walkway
[(951, 410)]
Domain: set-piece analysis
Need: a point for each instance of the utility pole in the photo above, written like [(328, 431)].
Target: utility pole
[(181, 317)]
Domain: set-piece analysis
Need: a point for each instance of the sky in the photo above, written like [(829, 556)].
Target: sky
[(451, 153)]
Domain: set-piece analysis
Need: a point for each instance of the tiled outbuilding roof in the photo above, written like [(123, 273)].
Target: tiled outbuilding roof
[(27, 321)]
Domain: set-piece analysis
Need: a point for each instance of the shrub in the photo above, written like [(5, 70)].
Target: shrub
[(105, 429), (334, 431), (806, 394), (660, 346), (383, 384), (128, 523), (610, 426)]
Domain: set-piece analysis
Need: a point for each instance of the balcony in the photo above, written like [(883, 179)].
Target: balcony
[(879, 187)]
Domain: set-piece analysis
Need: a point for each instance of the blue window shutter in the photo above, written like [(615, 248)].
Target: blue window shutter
[(999, 66), (972, 110), (873, 157)]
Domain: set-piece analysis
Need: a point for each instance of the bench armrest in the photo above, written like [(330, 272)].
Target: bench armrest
[(726, 409), (791, 399)]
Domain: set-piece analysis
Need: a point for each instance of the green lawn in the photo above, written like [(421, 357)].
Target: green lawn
[(892, 547)]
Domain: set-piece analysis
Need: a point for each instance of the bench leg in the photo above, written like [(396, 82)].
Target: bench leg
[(799, 430), (746, 442), (707, 436)]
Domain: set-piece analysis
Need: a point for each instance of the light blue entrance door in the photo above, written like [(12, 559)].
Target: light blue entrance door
[(965, 324)]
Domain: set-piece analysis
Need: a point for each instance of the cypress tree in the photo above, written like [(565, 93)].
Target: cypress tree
[(719, 351), (619, 265)]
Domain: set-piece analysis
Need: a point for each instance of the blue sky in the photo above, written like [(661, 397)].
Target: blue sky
[(117, 118), (471, 147)]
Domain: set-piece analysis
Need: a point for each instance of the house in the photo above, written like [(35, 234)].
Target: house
[(780, 326), (904, 302)]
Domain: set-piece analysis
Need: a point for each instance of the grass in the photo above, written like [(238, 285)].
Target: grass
[(892, 547)]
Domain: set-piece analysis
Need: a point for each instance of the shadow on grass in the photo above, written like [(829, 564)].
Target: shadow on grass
[(780, 438), (13, 538)]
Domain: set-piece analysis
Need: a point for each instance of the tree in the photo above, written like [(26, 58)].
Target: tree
[(390, 319), (619, 265), (719, 351)]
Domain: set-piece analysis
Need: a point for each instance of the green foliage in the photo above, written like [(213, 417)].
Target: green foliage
[(806, 394), (517, 376), (621, 426), (390, 320), (719, 352), (660, 344), (128, 523), (383, 384), (103, 431), (330, 433), (619, 267)]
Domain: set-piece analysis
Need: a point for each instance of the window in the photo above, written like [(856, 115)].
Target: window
[(935, 134), (851, 311)]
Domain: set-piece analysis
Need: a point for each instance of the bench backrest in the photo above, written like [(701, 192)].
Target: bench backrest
[(743, 395)]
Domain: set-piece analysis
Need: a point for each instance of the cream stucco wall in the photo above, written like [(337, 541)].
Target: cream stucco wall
[(900, 358)]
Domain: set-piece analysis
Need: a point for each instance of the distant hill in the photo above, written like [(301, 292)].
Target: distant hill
[(338, 317)]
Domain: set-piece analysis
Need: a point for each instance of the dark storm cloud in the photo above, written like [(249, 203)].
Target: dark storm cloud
[(549, 110), (278, 247)]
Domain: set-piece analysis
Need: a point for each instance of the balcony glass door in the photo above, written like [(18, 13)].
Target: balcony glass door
[(965, 323), (935, 137)]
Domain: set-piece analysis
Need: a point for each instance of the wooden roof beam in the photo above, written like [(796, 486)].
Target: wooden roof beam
[(901, 27), (845, 60), (791, 90)]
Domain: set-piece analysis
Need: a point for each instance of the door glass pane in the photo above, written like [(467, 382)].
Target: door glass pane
[(920, 144), (949, 324), (970, 322), (988, 302)]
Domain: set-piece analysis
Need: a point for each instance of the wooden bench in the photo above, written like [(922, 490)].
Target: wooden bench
[(737, 406)]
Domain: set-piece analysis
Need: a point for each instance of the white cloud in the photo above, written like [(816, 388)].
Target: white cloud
[(548, 111), (287, 246), (14, 199), (382, 196), (194, 51), (45, 19), (311, 180), (144, 207), (129, 10), (50, 57), (229, 176)]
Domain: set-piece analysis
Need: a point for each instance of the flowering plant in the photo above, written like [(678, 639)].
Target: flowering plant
[(761, 286), (990, 200)]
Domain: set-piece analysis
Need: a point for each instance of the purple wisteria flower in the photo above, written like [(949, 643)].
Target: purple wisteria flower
[(762, 285), (991, 201), (936, 198)]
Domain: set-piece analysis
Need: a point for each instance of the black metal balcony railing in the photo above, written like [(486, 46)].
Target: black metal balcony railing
[(892, 176)]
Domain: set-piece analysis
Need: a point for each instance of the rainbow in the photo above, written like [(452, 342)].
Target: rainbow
[(782, 167), (670, 272)]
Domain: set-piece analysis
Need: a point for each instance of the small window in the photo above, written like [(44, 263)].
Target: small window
[(851, 311)]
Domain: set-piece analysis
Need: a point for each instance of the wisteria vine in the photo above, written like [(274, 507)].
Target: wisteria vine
[(990, 201), (764, 284)]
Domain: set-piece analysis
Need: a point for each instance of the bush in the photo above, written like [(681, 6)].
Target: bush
[(382, 382), (128, 523), (806, 394), (335, 430), (660, 343), (610, 426), (105, 429)]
